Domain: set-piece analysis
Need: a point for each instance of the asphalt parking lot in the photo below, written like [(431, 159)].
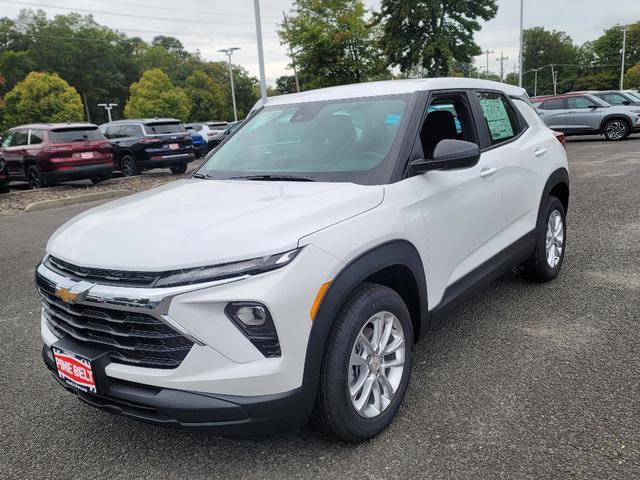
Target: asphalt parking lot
[(523, 382)]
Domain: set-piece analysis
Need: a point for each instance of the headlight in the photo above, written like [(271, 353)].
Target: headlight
[(212, 273)]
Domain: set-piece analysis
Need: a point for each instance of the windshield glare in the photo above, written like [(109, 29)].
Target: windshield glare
[(319, 139)]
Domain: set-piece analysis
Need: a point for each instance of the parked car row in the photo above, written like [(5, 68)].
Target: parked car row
[(614, 114), (45, 154)]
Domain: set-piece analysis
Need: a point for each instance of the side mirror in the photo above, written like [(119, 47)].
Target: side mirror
[(593, 106), (626, 102), (449, 155)]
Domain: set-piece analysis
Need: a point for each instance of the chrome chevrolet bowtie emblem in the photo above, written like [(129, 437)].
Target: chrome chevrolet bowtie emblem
[(73, 293)]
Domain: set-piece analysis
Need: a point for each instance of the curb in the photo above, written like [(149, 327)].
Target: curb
[(62, 202)]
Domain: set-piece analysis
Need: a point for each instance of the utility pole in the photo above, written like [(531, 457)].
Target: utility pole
[(480, 67), (488, 52), (228, 52), (263, 81), (501, 60), (624, 48), (521, 42), (293, 59), (554, 75), (108, 107), (535, 81)]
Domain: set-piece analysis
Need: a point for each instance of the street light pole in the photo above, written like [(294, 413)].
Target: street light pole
[(554, 75), (108, 107), (624, 47), (263, 82), (480, 67), (535, 81), (228, 52), (521, 43)]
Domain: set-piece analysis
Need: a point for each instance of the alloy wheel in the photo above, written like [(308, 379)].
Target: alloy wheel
[(616, 130), (128, 168), (554, 238), (376, 364)]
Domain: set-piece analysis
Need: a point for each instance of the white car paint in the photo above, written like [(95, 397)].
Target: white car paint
[(455, 219)]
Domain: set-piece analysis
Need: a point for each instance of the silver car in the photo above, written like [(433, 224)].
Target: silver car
[(586, 114), (618, 98)]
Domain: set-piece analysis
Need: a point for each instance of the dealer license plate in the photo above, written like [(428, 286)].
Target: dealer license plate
[(75, 370)]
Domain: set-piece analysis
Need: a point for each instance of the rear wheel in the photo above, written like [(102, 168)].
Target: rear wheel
[(179, 169), (615, 130), (35, 178), (128, 166), (546, 260), (366, 365)]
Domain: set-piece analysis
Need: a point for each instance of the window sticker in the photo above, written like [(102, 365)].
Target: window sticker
[(392, 119), (497, 118)]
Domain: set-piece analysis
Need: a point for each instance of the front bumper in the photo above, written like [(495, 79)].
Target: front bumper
[(226, 415), (222, 365)]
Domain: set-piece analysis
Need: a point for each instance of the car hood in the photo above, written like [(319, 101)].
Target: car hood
[(197, 222)]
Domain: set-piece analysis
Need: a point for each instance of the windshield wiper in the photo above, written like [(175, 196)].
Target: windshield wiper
[(201, 175), (274, 178)]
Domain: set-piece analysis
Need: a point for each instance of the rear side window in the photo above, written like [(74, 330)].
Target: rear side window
[(161, 128), (579, 102), (35, 137), (76, 135), (500, 116), (555, 104)]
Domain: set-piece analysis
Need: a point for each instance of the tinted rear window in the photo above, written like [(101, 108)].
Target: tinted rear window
[(156, 128), (76, 135), (197, 128)]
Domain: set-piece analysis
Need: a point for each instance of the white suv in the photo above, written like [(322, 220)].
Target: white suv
[(291, 276)]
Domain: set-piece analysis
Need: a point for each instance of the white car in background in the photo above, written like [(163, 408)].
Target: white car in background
[(293, 274)]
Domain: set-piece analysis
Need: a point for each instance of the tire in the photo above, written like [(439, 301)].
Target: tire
[(335, 409), (616, 130), (128, 166), (179, 169), (544, 264), (97, 180), (35, 178)]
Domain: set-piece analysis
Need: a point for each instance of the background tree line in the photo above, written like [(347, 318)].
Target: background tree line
[(62, 67), (103, 65)]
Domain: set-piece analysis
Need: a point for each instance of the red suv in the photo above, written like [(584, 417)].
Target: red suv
[(48, 153)]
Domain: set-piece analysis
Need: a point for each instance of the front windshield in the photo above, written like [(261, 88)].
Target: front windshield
[(332, 140)]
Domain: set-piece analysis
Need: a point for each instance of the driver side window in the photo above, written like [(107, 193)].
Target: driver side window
[(447, 117)]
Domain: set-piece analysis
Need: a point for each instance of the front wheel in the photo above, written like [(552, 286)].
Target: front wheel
[(615, 130), (366, 365), (546, 260), (179, 169)]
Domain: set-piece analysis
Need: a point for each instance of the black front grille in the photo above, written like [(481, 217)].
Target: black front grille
[(102, 275), (131, 338)]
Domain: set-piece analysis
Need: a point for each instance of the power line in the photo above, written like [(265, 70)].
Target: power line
[(180, 10), (117, 14)]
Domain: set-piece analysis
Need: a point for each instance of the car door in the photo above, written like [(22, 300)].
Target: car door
[(583, 114), (554, 113), (15, 153), (516, 151), (460, 207)]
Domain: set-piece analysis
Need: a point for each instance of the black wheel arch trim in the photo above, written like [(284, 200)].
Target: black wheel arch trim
[(557, 177), (394, 253)]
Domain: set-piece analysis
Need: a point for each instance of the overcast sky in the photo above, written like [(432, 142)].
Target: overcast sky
[(209, 25)]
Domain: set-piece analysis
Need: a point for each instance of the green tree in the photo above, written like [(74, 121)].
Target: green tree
[(42, 97), (632, 77), (334, 44), (607, 49), (432, 33), (207, 97), (543, 48), (247, 87), (155, 96)]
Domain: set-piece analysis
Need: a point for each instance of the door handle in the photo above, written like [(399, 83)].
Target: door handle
[(486, 172), (539, 152)]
